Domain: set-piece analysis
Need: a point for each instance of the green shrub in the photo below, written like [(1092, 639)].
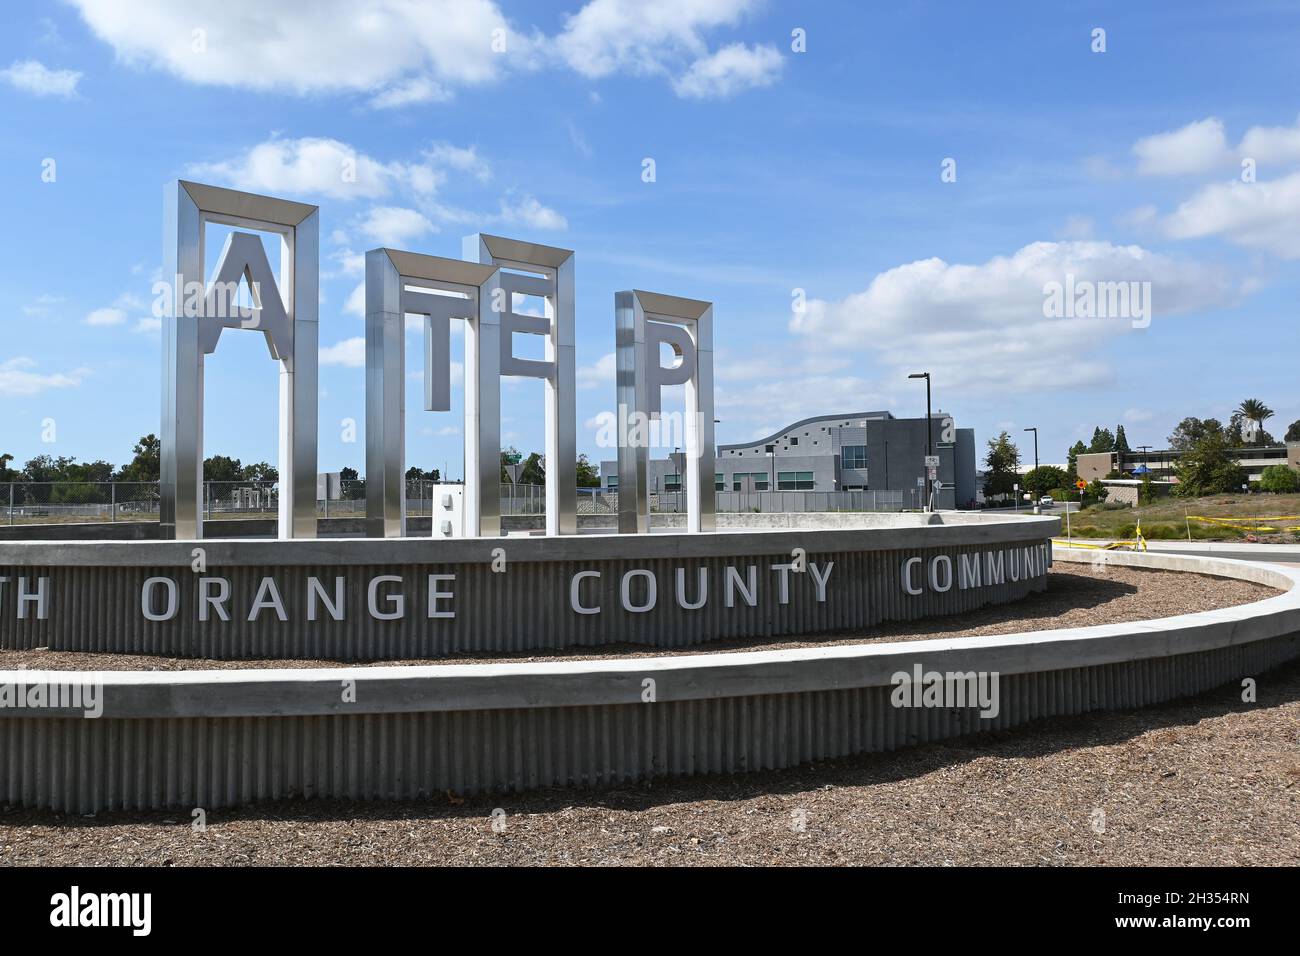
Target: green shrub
[(1279, 479)]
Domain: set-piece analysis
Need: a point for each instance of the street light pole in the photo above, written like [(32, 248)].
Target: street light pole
[(1035, 431), (929, 441)]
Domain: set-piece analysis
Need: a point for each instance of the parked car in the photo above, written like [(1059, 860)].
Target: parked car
[(1047, 501)]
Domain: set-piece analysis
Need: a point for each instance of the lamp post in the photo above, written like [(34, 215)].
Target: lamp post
[(1035, 431), (929, 425)]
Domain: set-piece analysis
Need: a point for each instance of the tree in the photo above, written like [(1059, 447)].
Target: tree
[(145, 465), (1207, 468), (1044, 479), (354, 487), (509, 456), (1072, 462), (222, 468), (415, 474), (588, 476), (260, 472), (1279, 479), (534, 473), (7, 473), (1095, 493), (1253, 410), (1002, 467), (1293, 431), (1102, 440), (1192, 430), (1146, 493), (1121, 441)]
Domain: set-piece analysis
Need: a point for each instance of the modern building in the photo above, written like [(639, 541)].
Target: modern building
[(1162, 464), (861, 451)]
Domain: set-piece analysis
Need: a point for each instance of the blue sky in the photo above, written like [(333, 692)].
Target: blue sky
[(775, 171)]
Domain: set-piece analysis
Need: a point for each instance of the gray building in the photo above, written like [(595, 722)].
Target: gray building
[(861, 451)]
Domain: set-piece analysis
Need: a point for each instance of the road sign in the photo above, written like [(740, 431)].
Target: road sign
[(1081, 484), (920, 482), (932, 473), (938, 486), (931, 461)]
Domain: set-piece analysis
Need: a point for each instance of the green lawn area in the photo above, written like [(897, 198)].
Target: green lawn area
[(1170, 519)]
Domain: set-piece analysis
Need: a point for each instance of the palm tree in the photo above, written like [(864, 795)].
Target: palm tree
[(1252, 409)]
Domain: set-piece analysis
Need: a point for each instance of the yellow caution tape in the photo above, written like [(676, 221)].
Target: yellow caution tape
[(1139, 545), (1249, 524)]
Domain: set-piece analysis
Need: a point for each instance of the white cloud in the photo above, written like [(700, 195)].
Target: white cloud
[(1195, 148), (1259, 215), (1272, 144), (731, 70), (106, 316), (418, 89), (32, 76), (148, 326), (532, 214), (356, 301), (350, 263), (42, 306), (395, 226), (350, 353), (400, 53), (982, 326), (608, 36), (318, 166), (17, 377), (462, 158), (391, 49), (666, 38), (599, 374)]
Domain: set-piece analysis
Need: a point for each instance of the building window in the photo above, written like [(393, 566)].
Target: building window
[(794, 441), (853, 456), (719, 481), (672, 482), (770, 449), (794, 481), (612, 482), (759, 481)]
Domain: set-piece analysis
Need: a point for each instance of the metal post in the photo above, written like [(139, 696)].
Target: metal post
[(11, 503), (929, 442), (112, 485)]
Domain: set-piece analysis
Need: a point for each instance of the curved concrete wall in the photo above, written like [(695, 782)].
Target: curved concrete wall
[(412, 598), (222, 738)]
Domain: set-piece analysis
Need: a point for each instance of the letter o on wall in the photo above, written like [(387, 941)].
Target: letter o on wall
[(651, 591), (945, 562), (146, 599)]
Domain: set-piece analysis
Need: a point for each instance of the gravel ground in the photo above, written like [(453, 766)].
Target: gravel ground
[(1205, 781), (1077, 595)]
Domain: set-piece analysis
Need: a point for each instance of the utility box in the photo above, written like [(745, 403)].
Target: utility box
[(448, 511)]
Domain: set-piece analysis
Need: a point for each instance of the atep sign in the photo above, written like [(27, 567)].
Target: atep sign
[(483, 289)]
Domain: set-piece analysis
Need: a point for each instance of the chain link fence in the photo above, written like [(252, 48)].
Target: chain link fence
[(600, 501), (36, 502)]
